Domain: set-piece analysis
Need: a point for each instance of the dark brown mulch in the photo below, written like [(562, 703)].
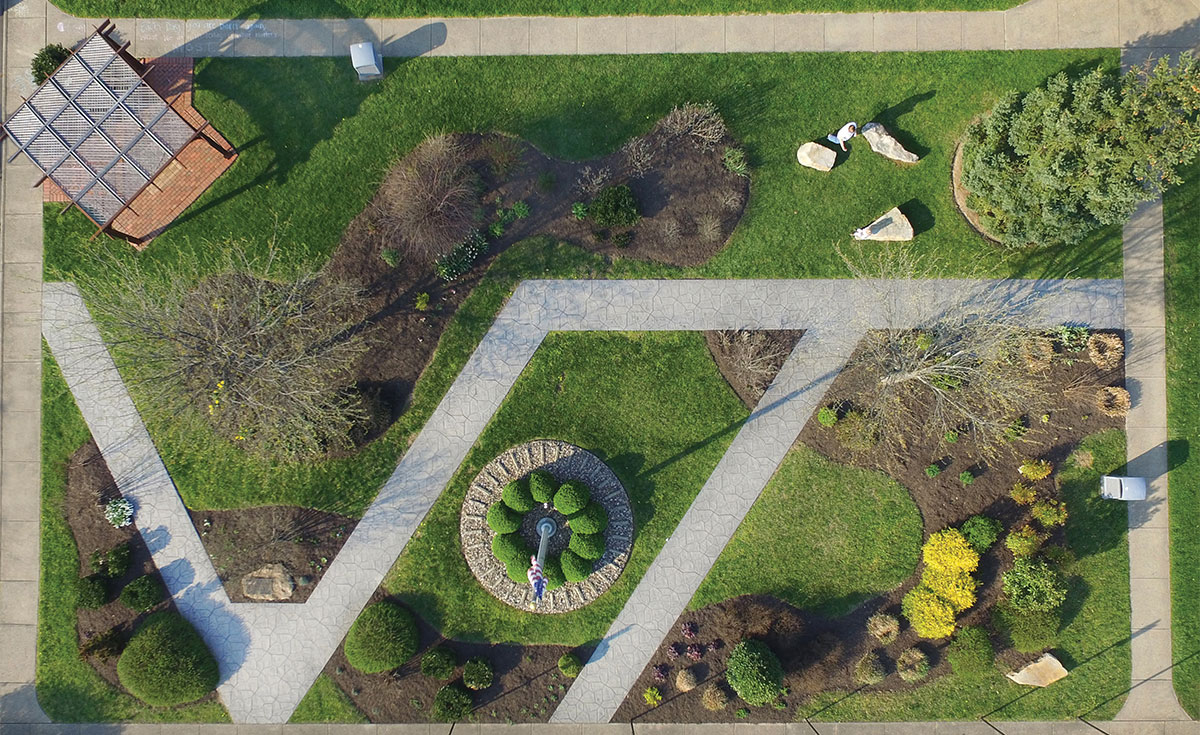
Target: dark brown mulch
[(818, 654), (89, 487), (526, 688), (241, 541), (685, 183), (749, 380)]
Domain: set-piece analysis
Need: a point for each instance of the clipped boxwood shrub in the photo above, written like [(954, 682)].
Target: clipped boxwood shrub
[(92, 592), (518, 570), (570, 665), (575, 567), (452, 703), (542, 486), (571, 497), (142, 594), (439, 663), (592, 519), (502, 519), (981, 532), (587, 545), (971, 652), (516, 495), (383, 637), (166, 662), (754, 672), (615, 206), (477, 674), (553, 570), (511, 547)]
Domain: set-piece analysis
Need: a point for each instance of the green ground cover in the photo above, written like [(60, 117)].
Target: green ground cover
[(450, 8), (1093, 644), (326, 702), (313, 145), (822, 536), (68, 688), (1181, 215), (652, 405)]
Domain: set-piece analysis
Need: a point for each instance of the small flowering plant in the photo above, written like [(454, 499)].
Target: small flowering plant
[(660, 672), (674, 651), (119, 512), (695, 652), (689, 630)]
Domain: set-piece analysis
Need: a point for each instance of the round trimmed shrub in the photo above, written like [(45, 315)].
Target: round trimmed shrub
[(949, 552), (754, 672), (542, 486), (92, 592), (439, 663), (981, 532), (518, 571), (587, 545), (1032, 585), (570, 665), (516, 495), (166, 662), (615, 206), (592, 519), (142, 594), (869, 669), (553, 570), (511, 547), (452, 703), (46, 60), (929, 615), (575, 567), (502, 519), (383, 637), (971, 652), (477, 674), (571, 497)]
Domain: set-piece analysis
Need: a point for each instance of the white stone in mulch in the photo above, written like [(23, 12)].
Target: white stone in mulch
[(566, 462)]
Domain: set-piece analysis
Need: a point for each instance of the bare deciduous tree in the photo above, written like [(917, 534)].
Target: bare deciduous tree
[(265, 361), (428, 203), (701, 122)]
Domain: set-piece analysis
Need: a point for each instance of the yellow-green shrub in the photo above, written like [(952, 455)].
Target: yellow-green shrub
[(949, 552), (1035, 469), (928, 614), (956, 589)]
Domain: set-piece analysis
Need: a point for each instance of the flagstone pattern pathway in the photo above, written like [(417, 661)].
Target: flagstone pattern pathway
[(1143, 28)]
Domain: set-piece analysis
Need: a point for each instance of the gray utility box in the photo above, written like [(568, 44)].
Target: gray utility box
[(366, 60), (1113, 487)]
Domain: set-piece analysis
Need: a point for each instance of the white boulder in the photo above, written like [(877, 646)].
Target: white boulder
[(885, 145), (893, 226), (815, 155), (1043, 672)]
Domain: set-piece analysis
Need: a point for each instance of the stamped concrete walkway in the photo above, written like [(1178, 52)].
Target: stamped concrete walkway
[(271, 654)]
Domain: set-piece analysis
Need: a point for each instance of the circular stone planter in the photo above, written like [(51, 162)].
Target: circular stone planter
[(565, 462)]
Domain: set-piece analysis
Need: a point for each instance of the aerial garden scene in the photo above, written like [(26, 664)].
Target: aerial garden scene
[(615, 388)]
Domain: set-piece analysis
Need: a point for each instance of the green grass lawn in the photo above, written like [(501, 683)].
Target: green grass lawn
[(314, 144), (652, 405), (1181, 216), (326, 702), (822, 536), (1093, 645), (68, 688), (407, 8)]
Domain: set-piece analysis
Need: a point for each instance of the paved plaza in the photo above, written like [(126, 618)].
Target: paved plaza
[(269, 655)]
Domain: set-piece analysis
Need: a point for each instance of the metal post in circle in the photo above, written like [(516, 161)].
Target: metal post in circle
[(546, 528)]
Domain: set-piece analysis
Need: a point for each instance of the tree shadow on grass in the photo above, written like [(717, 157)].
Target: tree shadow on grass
[(889, 118)]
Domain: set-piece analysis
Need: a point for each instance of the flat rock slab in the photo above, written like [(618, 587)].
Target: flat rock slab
[(272, 583), (887, 146), (1043, 672), (893, 226), (815, 155)]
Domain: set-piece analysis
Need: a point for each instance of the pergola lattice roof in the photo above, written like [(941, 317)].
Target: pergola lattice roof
[(98, 130)]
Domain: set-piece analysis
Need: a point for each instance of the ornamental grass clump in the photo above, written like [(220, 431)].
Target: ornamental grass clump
[(1105, 350), (883, 627), (382, 638), (1113, 401), (912, 665), (477, 673), (714, 698), (1079, 153), (754, 672), (869, 669)]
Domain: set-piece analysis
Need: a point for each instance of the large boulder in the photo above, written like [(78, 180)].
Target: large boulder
[(893, 226), (815, 155), (1043, 672), (885, 145), (271, 583)]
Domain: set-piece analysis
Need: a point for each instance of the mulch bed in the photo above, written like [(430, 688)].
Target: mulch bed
[(526, 688), (818, 654), (241, 541), (750, 360), (89, 487)]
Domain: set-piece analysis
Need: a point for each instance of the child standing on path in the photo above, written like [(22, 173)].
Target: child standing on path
[(848, 131)]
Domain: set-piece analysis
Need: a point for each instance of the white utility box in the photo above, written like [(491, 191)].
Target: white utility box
[(1122, 488), (366, 60)]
